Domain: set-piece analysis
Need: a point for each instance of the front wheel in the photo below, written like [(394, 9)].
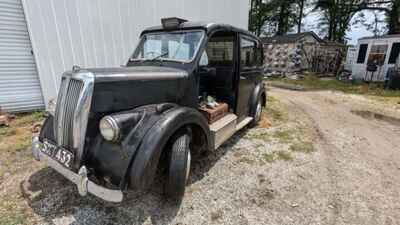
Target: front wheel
[(179, 167)]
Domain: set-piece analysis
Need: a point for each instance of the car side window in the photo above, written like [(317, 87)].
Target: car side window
[(249, 54), (220, 51), (204, 59)]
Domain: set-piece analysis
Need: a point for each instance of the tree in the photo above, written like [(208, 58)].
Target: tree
[(258, 16), (276, 16), (336, 16), (376, 26), (300, 4)]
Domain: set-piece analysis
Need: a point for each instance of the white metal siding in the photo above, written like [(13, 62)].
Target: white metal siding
[(19, 83), (103, 33)]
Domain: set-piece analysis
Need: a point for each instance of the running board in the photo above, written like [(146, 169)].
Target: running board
[(224, 128), (243, 123)]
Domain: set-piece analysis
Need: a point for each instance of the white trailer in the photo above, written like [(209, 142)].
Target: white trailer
[(380, 51)]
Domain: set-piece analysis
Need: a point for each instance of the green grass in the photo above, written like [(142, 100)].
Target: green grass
[(284, 155), (275, 110), (18, 135), (13, 220), (305, 147), (283, 136), (269, 157), (312, 82), (278, 155), (24, 119)]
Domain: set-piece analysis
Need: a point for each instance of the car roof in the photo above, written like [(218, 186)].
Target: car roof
[(207, 26)]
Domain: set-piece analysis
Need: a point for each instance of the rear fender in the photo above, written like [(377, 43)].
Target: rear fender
[(145, 163), (259, 91)]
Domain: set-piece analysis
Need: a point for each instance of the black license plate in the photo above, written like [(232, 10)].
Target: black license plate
[(62, 155)]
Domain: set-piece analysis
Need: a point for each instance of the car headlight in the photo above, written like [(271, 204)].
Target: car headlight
[(109, 128), (51, 106)]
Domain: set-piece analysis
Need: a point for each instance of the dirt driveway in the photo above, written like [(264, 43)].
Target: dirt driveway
[(358, 171), (318, 158)]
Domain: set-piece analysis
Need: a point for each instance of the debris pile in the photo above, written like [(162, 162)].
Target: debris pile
[(5, 118)]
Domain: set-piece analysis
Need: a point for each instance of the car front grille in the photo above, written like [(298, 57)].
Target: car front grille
[(72, 112), (67, 103)]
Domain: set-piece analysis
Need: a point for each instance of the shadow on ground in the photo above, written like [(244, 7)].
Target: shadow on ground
[(56, 199)]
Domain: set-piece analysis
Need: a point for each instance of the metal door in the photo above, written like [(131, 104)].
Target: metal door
[(19, 82)]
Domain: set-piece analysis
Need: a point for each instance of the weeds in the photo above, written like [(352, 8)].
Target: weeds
[(275, 110), (277, 155), (269, 157), (283, 136), (305, 147), (312, 82), (284, 155)]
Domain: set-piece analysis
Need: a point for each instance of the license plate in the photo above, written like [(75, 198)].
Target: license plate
[(63, 156)]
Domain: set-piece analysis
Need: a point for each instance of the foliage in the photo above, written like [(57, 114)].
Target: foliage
[(275, 17), (278, 17)]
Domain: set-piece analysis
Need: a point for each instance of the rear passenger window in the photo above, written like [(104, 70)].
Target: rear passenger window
[(249, 55)]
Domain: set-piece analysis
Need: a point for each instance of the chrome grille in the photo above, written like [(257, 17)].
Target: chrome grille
[(67, 103)]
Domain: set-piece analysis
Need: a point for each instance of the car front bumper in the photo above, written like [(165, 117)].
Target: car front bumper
[(80, 179)]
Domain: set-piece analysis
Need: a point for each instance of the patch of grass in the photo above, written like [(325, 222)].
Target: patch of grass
[(278, 155), (275, 110), (26, 119), (12, 220), (269, 157), (6, 131), (284, 155), (312, 82), (283, 136), (260, 136), (305, 147), (246, 160), (18, 135), (11, 213)]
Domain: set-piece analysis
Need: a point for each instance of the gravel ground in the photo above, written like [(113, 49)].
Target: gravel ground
[(318, 158)]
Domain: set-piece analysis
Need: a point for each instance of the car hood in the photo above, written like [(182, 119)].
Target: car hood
[(137, 73), (124, 88)]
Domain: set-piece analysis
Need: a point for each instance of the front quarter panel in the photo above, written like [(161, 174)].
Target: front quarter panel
[(147, 158)]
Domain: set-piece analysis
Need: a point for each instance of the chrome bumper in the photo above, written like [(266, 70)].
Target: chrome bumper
[(80, 179)]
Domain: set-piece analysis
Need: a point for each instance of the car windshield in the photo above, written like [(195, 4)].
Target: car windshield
[(176, 46)]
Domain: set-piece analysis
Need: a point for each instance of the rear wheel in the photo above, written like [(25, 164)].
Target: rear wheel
[(257, 113), (179, 167)]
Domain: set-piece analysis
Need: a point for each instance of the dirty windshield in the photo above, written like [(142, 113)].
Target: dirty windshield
[(175, 46)]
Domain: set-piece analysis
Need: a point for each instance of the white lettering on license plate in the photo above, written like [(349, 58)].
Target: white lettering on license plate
[(61, 155)]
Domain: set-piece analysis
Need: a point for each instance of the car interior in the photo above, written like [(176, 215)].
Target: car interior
[(217, 72)]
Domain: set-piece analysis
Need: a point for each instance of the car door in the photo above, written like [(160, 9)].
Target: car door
[(248, 74)]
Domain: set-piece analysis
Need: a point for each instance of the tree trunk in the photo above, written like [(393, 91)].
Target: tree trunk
[(394, 19), (300, 18)]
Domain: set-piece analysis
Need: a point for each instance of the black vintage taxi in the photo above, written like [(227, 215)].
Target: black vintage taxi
[(187, 88)]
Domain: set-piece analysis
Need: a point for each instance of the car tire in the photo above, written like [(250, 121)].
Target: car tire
[(257, 113), (179, 167)]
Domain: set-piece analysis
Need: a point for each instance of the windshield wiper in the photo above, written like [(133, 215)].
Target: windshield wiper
[(156, 58)]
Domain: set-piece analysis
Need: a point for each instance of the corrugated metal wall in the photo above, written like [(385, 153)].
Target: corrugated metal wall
[(19, 83), (98, 33)]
